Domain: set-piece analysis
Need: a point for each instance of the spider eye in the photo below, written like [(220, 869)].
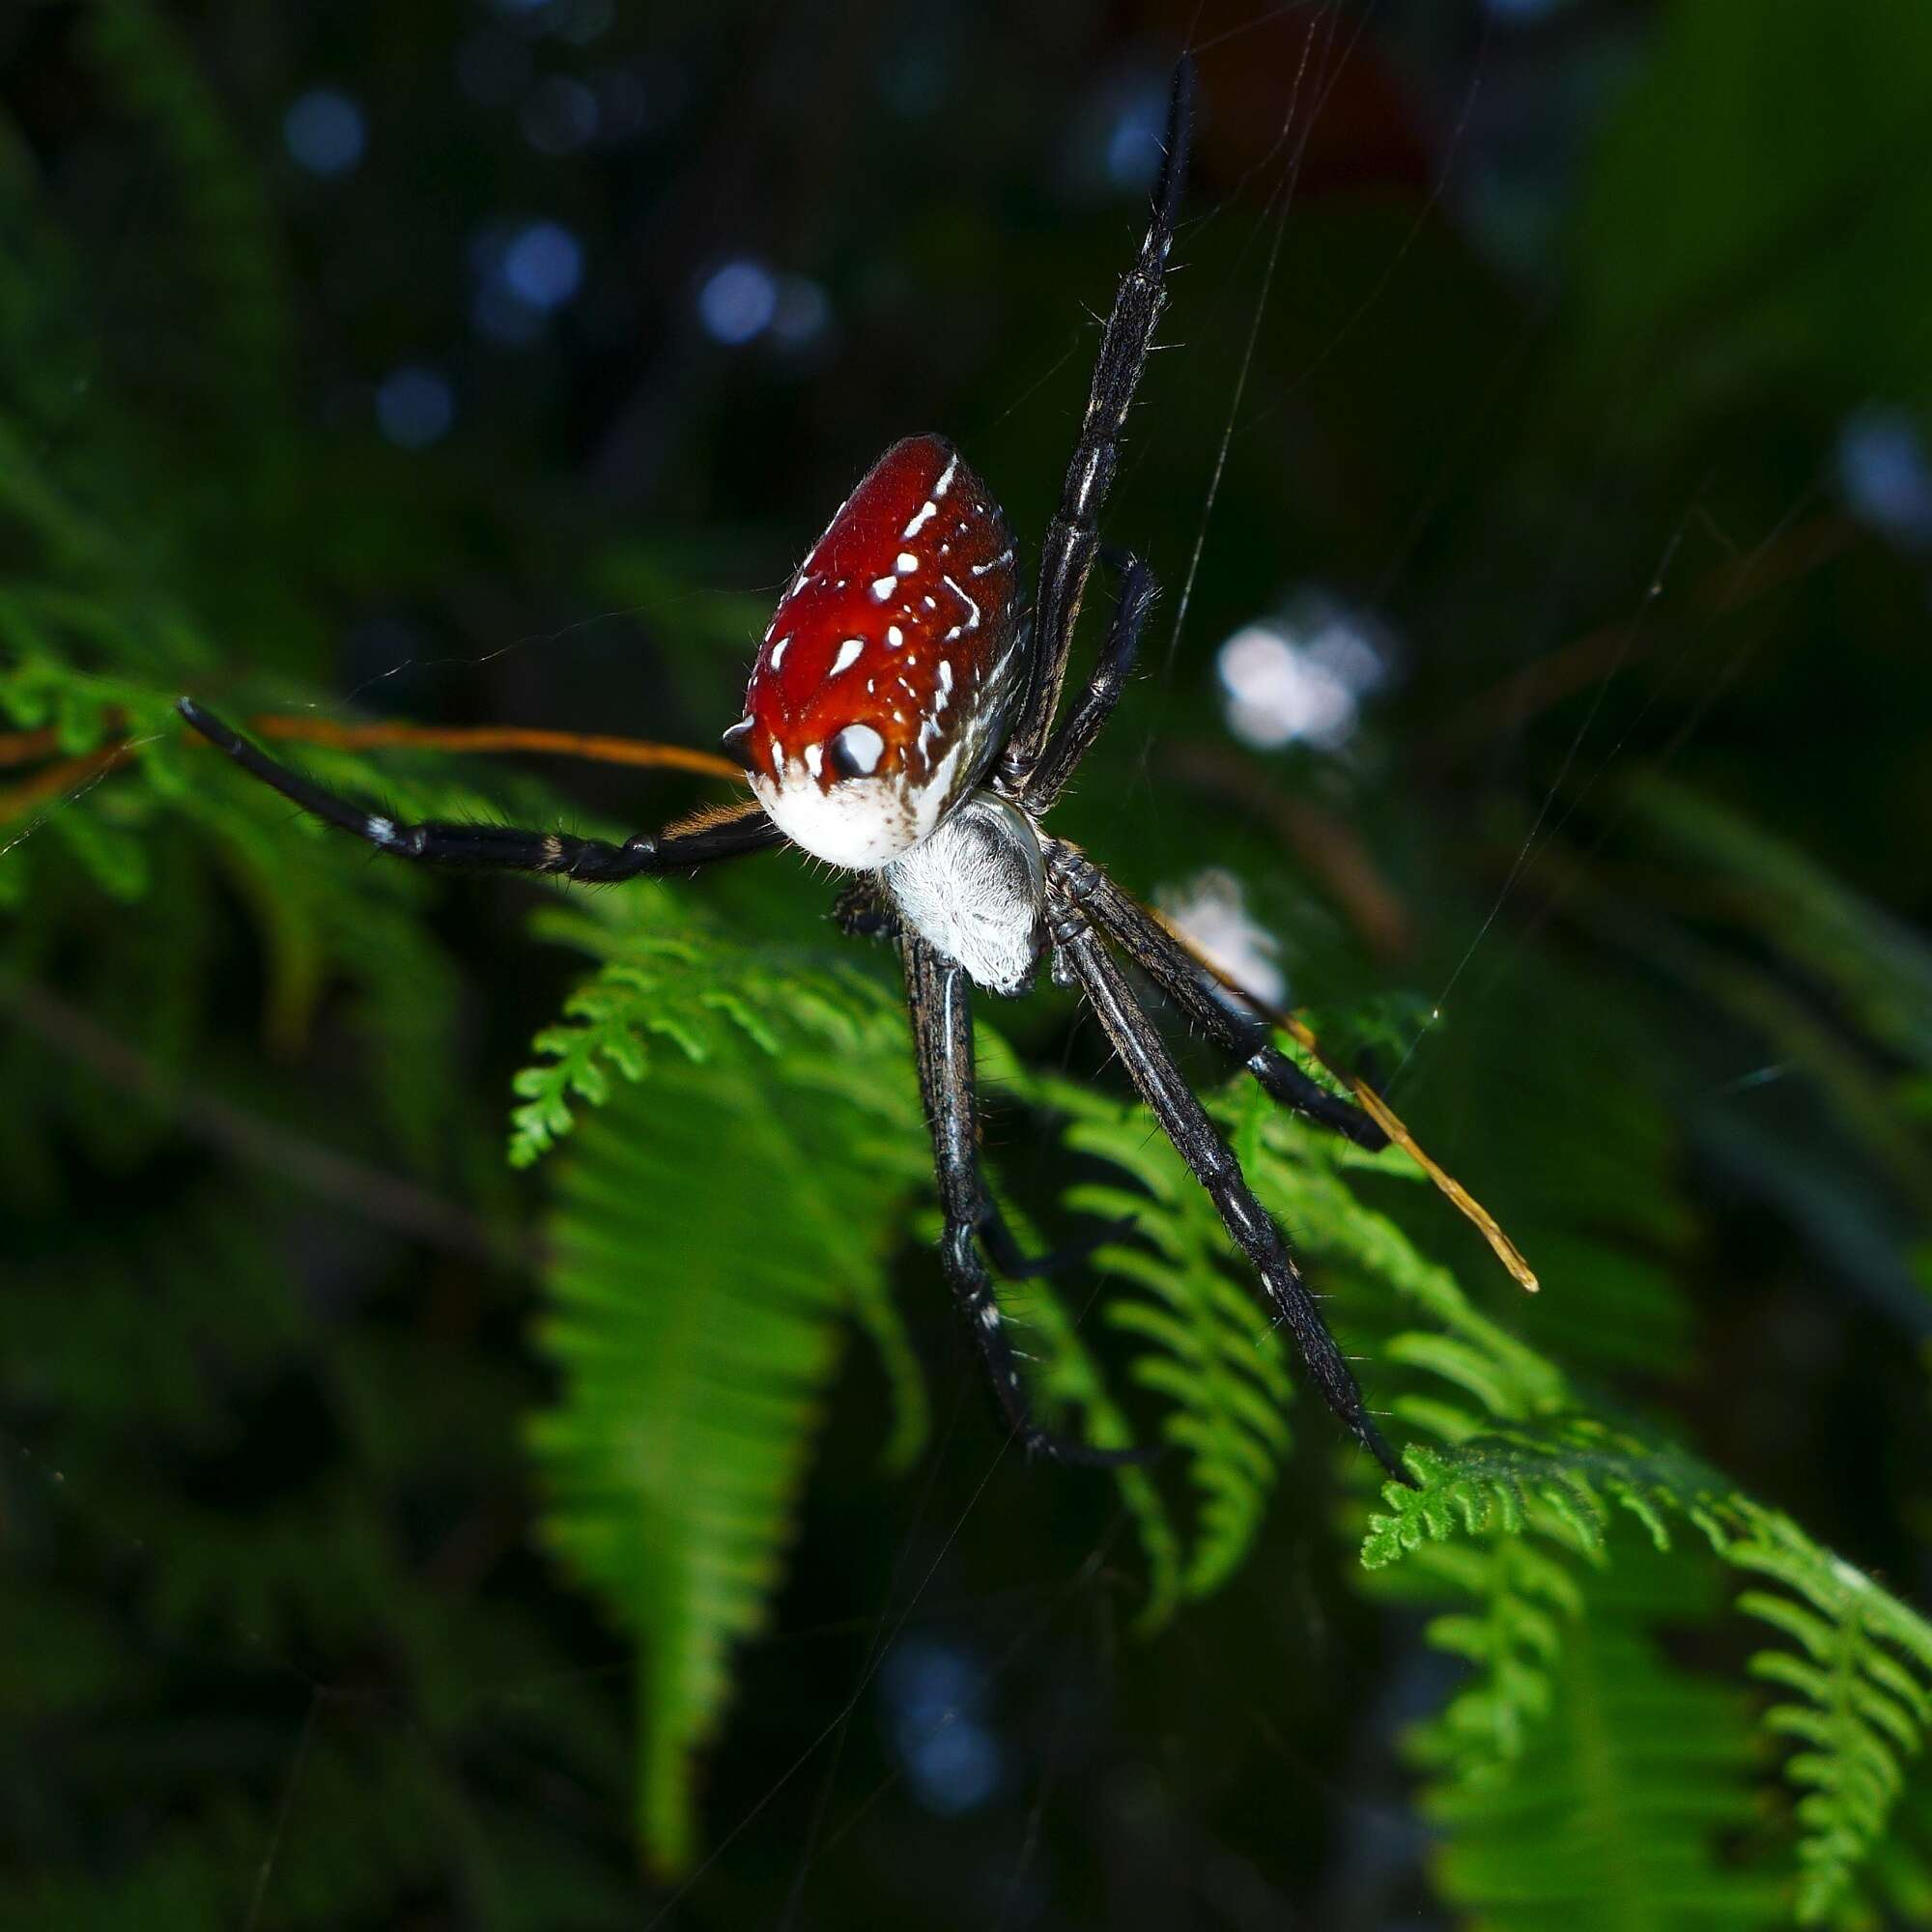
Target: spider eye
[(856, 751), (737, 741)]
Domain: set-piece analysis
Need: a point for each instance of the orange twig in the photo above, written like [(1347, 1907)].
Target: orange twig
[(67, 776), (22, 748), (494, 738), (638, 751), (1383, 1114), (1378, 1110)]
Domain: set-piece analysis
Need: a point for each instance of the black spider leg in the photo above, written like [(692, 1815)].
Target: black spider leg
[(730, 834), (938, 993), (1075, 739), (861, 910), (1067, 553), (1217, 1009), (1185, 1122)]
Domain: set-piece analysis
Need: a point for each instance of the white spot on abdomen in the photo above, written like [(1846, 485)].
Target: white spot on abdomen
[(859, 748), (972, 622)]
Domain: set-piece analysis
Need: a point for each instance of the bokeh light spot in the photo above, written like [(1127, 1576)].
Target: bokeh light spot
[(1299, 677), (324, 132), (1884, 475), (953, 1761), (737, 302), (1211, 911), (414, 406), (1134, 139), (543, 265)]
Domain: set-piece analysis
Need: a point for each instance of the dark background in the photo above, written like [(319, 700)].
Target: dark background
[(477, 363)]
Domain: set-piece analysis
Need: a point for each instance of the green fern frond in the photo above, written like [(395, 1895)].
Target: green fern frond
[(1562, 1481), (1526, 1597), (666, 975), (1205, 1345), (691, 1400), (1520, 1503), (330, 924), (1202, 1340), (1861, 1660), (1608, 1812), (1521, 1534), (1861, 1668)]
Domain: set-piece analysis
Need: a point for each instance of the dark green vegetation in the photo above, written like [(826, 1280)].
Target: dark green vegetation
[(390, 1535)]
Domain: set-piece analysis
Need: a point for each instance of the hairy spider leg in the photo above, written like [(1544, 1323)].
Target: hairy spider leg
[(939, 995), (1233, 1028), (1073, 537), (1133, 599), (1213, 1006), (1215, 1009), (861, 912), (731, 833), (1185, 1122)]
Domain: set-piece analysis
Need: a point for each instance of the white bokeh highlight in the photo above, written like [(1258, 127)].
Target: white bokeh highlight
[(1211, 911), (1299, 677)]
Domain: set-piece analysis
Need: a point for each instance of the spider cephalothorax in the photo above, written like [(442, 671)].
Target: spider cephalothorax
[(902, 722)]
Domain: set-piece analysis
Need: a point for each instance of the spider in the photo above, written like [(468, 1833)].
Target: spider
[(902, 723)]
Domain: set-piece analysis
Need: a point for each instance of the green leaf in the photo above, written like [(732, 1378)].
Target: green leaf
[(697, 1307), (1862, 1677)]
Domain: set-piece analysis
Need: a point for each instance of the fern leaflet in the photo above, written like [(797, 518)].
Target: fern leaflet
[(1862, 1665), (690, 1399)]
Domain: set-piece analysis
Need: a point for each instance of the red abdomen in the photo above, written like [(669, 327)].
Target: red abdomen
[(886, 677)]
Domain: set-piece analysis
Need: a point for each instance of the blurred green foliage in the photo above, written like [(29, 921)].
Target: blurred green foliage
[(394, 1536)]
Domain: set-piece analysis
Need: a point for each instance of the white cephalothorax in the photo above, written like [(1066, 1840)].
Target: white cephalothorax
[(977, 891)]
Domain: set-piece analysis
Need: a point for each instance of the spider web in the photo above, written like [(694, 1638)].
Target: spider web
[(1057, 1641), (1380, 1833)]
